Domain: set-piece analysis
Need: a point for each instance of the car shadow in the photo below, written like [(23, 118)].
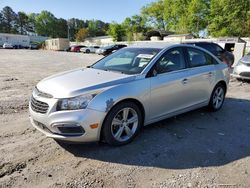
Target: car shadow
[(195, 139)]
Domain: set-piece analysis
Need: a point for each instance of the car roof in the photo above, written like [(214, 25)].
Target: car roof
[(199, 42), (159, 45)]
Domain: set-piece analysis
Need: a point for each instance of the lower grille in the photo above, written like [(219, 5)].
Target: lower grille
[(42, 126), (38, 106), (71, 130), (245, 74)]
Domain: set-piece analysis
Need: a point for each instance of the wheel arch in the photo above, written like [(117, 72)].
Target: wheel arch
[(136, 101), (223, 82)]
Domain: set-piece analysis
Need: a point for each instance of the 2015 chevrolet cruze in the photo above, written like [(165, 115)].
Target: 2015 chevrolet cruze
[(112, 99)]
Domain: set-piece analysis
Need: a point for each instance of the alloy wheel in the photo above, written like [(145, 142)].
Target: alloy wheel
[(218, 97), (124, 124)]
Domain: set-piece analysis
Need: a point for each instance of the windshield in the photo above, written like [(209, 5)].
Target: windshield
[(246, 58), (127, 60)]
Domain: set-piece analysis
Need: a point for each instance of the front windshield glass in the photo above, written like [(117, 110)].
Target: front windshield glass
[(246, 58), (127, 60)]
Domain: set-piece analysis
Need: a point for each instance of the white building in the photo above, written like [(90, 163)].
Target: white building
[(178, 37), (57, 44), (99, 40), (14, 39)]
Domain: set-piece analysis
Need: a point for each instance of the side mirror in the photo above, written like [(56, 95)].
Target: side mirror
[(151, 73), (154, 73)]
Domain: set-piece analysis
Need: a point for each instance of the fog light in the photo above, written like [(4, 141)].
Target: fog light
[(69, 129)]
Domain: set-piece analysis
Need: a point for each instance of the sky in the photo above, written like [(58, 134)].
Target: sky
[(105, 10)]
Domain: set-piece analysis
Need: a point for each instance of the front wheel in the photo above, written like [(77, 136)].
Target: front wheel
[(122, 124), (217, 98)]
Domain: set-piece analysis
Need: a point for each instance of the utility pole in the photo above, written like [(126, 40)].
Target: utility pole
[(68, 30)]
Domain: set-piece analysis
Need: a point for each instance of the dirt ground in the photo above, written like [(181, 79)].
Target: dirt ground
[(197, 149)]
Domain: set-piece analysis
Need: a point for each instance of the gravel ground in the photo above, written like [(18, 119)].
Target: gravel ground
[(196, 149)]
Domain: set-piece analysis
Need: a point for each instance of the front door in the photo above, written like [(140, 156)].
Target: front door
[(170, 84)]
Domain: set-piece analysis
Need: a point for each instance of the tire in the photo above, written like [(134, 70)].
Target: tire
[(217, 98), (87, 51), (117, 130)]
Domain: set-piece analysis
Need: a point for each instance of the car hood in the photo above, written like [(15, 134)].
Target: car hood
[(80, 81)]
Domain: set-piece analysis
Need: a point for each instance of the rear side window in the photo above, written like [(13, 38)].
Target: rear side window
[(211, 47), (198, 58), (208, 47)]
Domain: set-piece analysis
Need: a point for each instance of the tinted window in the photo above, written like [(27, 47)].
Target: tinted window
[(211, 47), (208, 47), (198, 58), (172, 60)]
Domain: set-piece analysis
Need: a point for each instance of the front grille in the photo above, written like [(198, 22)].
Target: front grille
[(38, 106), (245, 74)]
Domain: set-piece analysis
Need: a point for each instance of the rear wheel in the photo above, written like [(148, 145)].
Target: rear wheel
[(122, 124), (217, 98), (87, 51)]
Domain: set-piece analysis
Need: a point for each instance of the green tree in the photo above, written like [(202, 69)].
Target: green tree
[(197, 15), (97, 28), (31, 22), (1, 23), (82, 34), (9, 18), (116, 31), (22, 23), (61, 28), (229, 18), (154, 13), (134, 27), (45, 24)]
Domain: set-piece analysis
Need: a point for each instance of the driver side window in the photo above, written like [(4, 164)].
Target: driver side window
[(172, 60)]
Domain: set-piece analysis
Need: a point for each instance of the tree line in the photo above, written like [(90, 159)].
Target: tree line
[(46, 24), (217, 18)]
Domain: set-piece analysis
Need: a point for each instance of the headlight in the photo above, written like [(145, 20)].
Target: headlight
[(76, 103)]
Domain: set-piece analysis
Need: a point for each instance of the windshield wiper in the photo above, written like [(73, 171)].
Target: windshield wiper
[(113, 71)]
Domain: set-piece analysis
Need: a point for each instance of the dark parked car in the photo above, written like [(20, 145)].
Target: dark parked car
[(76, 48), (67, 49), (224, 55), (34, 46), (109, 49)]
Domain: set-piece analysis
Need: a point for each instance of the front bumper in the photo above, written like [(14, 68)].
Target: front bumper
[(241, 71), (50, 122)]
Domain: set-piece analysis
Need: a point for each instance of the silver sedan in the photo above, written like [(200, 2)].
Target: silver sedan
[(242, 68), (133, 87)]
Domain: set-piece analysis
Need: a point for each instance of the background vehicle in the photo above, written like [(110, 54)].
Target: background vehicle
[(110, 49), (225, 56), (242, 69), (90, 49), (7, 46), (115, 97), (34, 46), (67, 49), (76, 48)]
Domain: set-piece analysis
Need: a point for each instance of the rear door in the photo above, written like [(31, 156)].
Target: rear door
[(201, 76)]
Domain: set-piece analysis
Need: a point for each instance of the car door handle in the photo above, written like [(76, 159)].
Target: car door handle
[(184, 81), (210, 74)]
